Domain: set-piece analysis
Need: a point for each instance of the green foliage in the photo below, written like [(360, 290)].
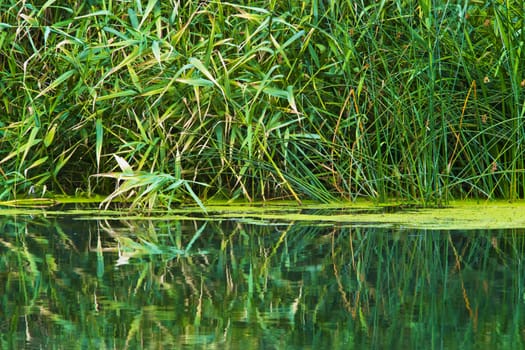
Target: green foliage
[(318, 99)]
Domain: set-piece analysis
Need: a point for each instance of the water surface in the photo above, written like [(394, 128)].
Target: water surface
[(233, 283)]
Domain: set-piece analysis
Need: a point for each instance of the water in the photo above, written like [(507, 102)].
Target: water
[(230, 284)]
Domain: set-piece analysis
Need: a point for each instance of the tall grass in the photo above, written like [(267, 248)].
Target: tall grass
[(414, 100)]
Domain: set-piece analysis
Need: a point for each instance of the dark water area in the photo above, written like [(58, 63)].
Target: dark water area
[(229, 284)]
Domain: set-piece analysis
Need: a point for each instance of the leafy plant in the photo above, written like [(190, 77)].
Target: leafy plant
[(326, 100), (147, 189)]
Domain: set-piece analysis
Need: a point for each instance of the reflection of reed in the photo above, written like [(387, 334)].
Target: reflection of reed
[(344, 296), (473, 315), (227, 283), (397, 280)]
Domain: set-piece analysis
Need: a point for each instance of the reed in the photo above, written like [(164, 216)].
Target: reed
[(414, 100)]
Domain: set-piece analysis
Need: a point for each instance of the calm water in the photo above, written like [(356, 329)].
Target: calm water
[(229, 284)]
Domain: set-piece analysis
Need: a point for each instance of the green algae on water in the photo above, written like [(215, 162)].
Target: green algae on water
[(457, 215)]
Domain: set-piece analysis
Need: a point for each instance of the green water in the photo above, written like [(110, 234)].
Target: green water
[(234, 284)]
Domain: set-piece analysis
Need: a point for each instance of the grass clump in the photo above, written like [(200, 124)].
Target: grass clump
[(260, 100)]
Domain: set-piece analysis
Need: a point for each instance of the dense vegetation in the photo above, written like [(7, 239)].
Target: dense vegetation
[(415, 100)]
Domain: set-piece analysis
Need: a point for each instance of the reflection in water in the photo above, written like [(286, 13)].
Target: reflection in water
[(233, 284)]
